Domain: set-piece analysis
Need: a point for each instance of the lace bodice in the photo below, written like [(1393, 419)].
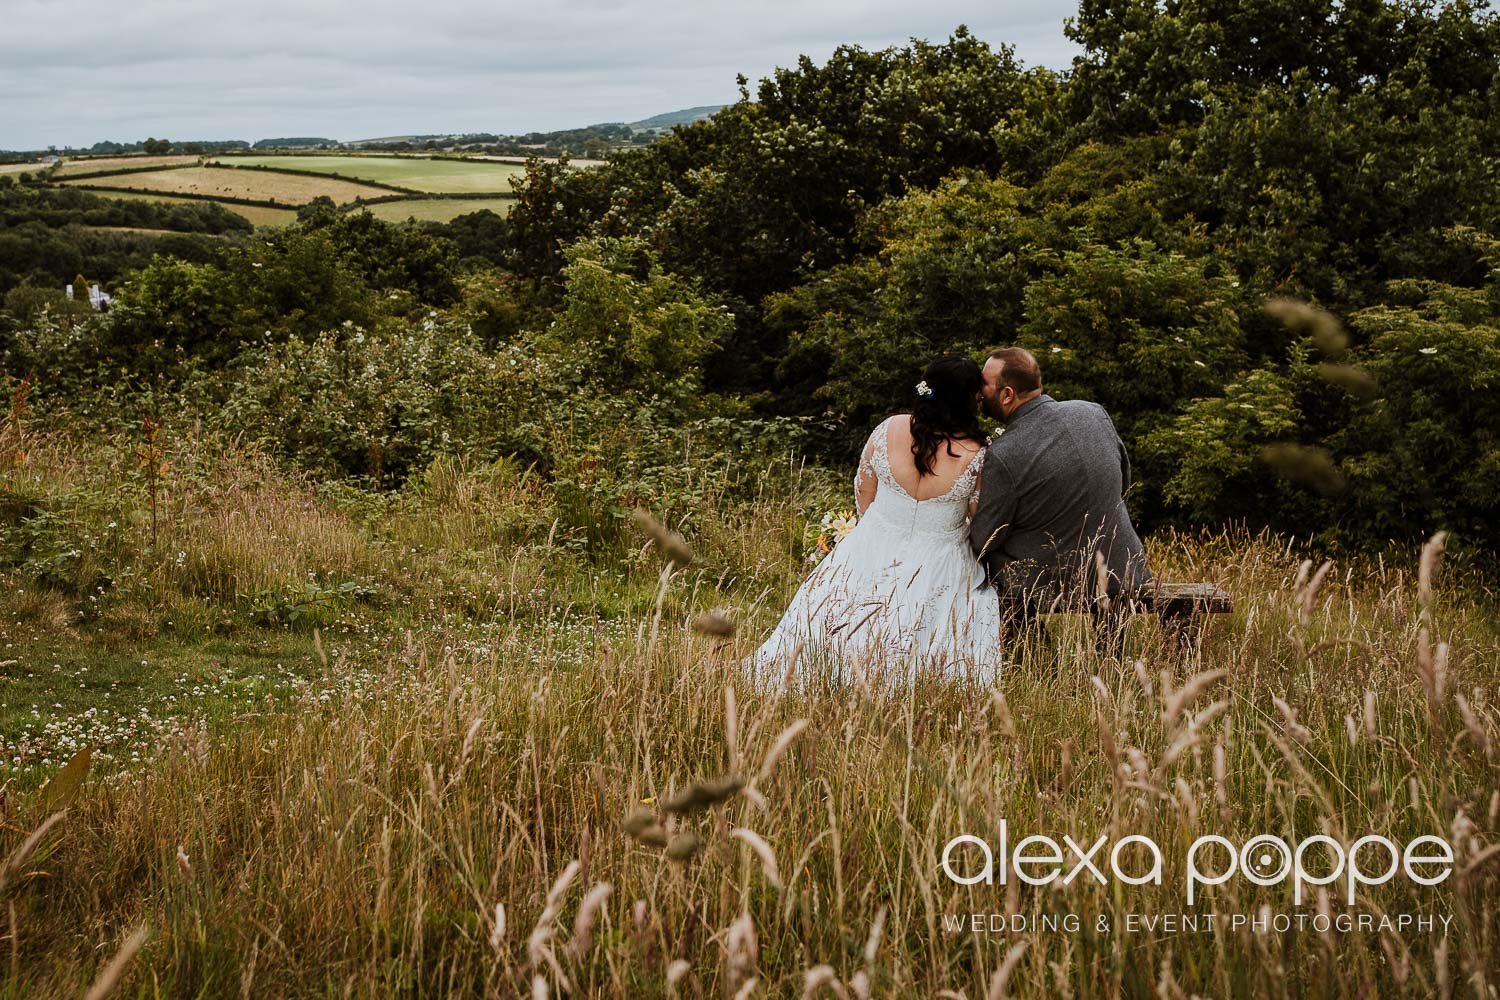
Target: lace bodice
[(901, 511)]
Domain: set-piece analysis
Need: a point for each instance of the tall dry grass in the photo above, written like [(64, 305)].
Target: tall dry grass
[(621, 812)]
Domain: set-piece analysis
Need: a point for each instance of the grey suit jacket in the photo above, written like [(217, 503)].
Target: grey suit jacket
[(1051, 494)]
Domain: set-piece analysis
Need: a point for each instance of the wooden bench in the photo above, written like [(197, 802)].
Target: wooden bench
[(1180, 606), (1184, 599)]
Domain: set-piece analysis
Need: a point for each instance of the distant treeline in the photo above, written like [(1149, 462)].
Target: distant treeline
[(296, 143), (153, 145), (590, 141)]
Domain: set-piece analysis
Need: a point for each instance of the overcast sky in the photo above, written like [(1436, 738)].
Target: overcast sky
[(88, 70)]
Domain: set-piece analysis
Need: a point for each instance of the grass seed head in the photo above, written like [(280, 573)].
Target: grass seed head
[(701, 795), (1354, 380), (762, 851), (673, 546), (819, 978), (1323, 327), (684, 846), (1432, 554), (588, 916), (110, 975), (1307, 465), (716, 622)]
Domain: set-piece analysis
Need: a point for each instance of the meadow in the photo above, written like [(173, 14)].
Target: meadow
[(251, 185), (437, 209), (434, 176), (423, 742), (88, 165)]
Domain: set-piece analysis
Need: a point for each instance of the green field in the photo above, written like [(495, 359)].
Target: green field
[(418, 174), (257, 214), (254, 185), (96, 164), (437, 209)]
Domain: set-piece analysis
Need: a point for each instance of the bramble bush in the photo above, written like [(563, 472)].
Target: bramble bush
[(605, 402)]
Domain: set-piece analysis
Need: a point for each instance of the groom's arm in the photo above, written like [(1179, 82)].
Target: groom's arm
[(992, 517), (1109, 425), (1124, 458)]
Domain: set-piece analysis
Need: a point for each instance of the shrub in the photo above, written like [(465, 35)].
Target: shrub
[(1138, 329), (1426, 453), (369, 403), (1205, 462)]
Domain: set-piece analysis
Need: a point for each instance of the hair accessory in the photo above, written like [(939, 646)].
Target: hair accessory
[(923, 389)]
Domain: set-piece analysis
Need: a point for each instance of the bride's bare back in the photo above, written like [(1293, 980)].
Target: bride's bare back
[(952, 458), (950, 462)]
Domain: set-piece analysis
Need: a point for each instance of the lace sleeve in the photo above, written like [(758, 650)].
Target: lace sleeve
[(866, 480), (975, 472)]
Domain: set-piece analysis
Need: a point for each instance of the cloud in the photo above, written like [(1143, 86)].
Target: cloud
[(91, 69)]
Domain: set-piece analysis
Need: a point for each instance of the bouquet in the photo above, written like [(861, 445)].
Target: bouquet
[(833, 528)]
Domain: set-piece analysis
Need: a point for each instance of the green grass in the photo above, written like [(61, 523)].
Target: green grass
[(58, 694), (437, 209), (442, 176)]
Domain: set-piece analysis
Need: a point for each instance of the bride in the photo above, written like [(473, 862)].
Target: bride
[(903, 593)]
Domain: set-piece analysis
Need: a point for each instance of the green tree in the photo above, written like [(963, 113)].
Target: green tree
[(1150, 63), (949, 277), (1206, 460), (1425, 454), (1137, 329), (631, 324), (771, 189)]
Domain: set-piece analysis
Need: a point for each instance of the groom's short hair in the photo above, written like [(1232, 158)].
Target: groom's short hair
[(1020, 370)]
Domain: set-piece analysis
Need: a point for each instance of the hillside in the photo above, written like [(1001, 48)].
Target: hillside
[(671, 119)]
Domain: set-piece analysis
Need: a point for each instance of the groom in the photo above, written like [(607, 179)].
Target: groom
[(1052, 496)]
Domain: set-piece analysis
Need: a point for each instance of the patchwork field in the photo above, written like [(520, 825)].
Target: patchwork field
[(89, 165), (418, 174), (258, 215), (437, 209), (259, 185)]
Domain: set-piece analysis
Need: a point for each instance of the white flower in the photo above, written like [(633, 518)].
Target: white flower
[(1428, 350), (923, 389)]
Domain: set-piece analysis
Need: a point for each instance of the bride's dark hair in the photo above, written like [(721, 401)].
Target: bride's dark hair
[(947, 409)]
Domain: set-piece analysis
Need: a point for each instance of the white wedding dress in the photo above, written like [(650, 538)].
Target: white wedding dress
[(901, 595)]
